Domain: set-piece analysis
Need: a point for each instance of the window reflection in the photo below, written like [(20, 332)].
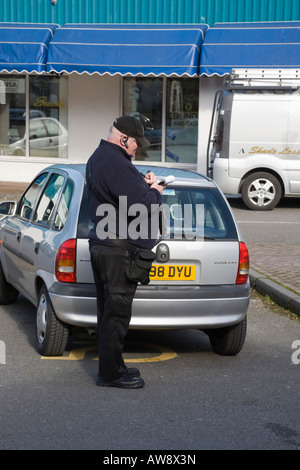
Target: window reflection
[(63, 208), (26, 204), (47, 138), (182, 121), (49, 200), (145, 99), (48, 116), (12, 111), (48, 132)]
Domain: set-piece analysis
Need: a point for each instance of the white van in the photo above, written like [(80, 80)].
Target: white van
[(254, 147)]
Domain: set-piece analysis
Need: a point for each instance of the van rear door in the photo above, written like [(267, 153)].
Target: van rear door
[(293, 144), (220, 129)]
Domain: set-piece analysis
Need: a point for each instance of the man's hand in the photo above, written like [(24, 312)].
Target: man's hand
[(151, 179)]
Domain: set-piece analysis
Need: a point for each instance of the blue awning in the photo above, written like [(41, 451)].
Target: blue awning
[(24, 46), (229, 46), (127, 49)]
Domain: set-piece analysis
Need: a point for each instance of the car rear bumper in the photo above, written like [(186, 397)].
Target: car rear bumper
[(157, 306)]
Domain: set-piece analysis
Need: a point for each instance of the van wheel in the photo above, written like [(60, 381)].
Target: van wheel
[(261, 191), (228, 341), (8, 294), (52, 334)]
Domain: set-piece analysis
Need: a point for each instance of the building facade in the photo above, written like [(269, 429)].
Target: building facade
[(148, 11), (96, 60)]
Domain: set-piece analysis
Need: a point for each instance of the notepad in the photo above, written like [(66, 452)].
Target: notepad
[(167, 180)]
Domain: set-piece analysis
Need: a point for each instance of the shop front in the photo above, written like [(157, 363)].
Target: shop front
[(62, 87), (91, 76)]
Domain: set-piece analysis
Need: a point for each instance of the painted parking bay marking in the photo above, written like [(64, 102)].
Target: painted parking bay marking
[(78, 354)]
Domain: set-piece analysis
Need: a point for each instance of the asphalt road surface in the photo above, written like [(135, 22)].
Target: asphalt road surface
[(281, 225), (193, 399)]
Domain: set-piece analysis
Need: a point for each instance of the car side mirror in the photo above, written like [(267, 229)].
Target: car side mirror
[(8, 208)]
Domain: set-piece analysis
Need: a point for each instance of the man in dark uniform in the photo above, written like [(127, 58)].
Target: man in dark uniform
[(111, 175)]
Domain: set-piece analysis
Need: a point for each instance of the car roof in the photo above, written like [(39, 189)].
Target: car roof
[(182, 176)]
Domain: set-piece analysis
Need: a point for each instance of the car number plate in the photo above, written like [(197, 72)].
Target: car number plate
[(166, 272)]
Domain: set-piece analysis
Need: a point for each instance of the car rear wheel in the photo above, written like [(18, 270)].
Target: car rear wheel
[(52, 334), (8, 294), (261, 191), (228, 341)]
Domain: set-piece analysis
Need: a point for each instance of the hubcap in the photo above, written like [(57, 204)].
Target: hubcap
[(41, 318), (261, 192)]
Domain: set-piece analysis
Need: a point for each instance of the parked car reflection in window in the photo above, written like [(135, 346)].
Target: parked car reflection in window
[(47, 138)]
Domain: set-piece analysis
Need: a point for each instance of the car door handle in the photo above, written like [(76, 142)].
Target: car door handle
[(19, 234), (36, 248)]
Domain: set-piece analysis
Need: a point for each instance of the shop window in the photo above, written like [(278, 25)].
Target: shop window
[(12, 112), (182, 120), (42, 112), (49, 112), (143, 98), (168, 110)]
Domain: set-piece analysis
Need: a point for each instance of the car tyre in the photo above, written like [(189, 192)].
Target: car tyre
[(261, 191), (228, 341), (8, 294), (52, 334)]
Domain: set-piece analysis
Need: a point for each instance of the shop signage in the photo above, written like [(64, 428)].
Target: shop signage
[(42, 101), (14, 85), (274, 151)]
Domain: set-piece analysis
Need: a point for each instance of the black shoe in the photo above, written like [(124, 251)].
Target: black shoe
[(126, 381), (133, 372)]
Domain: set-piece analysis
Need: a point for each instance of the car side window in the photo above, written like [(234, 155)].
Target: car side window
[(37, 129), (49, 199), (63, 207), (52, 128), (27, 202)]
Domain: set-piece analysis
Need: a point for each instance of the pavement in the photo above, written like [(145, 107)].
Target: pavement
[(279, 279), (275, 271)]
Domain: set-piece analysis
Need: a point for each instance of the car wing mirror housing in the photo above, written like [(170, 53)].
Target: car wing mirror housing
[(8, 208)]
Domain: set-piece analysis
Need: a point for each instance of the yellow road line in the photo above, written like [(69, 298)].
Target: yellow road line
[(78, 354)]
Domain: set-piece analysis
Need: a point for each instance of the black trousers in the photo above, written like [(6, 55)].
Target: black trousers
[(115, 294)]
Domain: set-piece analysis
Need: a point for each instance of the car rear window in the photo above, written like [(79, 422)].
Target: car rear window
[(186, 213), (196, 213)]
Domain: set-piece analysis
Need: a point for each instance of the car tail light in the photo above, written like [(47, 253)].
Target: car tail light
[(65, 263), (243, 269)]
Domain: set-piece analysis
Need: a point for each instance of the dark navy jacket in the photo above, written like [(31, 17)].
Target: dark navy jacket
[(113, 175)]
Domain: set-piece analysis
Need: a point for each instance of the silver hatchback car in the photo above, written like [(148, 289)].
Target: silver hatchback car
[(198, 280)]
